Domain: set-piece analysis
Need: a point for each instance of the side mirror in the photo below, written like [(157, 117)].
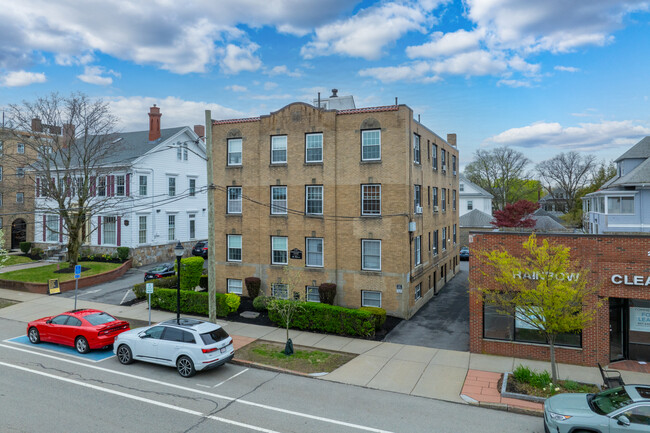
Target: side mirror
[(142, 335), (623, 420), (48, 321)]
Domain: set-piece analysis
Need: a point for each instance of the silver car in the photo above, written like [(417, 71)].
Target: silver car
[(190, 345), (622, 409)]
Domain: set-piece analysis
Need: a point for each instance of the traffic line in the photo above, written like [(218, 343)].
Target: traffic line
[(141, 399), (213, 395), (232, 377)]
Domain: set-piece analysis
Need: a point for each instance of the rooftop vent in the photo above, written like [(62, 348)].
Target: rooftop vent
[(334, 93)]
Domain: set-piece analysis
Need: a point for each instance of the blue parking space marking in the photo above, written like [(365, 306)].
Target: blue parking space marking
[(93, 355)]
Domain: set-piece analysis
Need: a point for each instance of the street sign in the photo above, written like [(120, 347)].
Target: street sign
[(149, 288), (77, 271)]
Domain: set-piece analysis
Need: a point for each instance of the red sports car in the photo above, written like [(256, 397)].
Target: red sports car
[(82, 329)]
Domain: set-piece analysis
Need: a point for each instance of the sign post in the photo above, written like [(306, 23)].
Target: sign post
[(77, 275), (149, 291)]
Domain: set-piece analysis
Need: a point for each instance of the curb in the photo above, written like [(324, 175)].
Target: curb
[(251, 364)]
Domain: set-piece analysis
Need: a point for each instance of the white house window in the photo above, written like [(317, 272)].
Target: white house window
[(416, 148), (370, 298), (311, 294), (20, 172), (314, 256), (371, 199), (120, 188), (171, 181), (279, 250), (234, 286), (234, 248), (371, 145), (279, 200), (314, 200), (20, 197), (101, 186), (461, 187), (192, 226), (185, 151), (314, 148), (143, 185), (234, 199), (192, 188), (470, 205), (279, 149), (109, 228), (52, 228), (234, 151), (171, 227), (371, 254), (179, 151), (418, 291), (418, 250), (620, 205), (280, 291), (20, 148), (142, 229)]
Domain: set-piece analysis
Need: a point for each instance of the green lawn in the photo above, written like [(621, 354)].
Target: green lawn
[(16, 260), (44, 273)]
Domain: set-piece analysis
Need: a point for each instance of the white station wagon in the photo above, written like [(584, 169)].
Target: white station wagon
[(190, 345)]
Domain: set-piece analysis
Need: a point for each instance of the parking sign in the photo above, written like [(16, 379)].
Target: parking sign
[(77, 271), (149, 288)]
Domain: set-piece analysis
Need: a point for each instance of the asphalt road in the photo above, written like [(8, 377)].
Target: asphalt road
[(44, 391)]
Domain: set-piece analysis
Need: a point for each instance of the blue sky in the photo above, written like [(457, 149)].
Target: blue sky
[(541, 76)]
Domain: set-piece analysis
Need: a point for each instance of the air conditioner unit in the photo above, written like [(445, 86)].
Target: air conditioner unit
[(444, 170), (418, 209), (454, 172), (435, 208)]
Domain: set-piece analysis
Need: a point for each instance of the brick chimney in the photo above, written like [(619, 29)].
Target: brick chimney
[(200, 131), (37, 126), (154, 123), (451, 139)]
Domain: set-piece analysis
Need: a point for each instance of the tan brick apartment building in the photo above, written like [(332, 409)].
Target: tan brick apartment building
[(363, 198)]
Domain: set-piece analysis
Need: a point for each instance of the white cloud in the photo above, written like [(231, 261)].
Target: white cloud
[(278, 97), (446, 44), (69, 60), (95, 75), (21, 78), (584, 137), (472, 63), (514, 83), (237, 59), (566, 69), (237, 88), (283, 70), (269, 85), (413, 72)]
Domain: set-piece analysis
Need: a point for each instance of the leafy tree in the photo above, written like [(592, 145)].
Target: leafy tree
[(4, 254), (518, 214), (548, 303), (287, 309), (600, 175)]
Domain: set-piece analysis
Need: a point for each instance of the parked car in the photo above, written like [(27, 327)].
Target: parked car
[(82, 329), (622, 409), (190, 345), (464, 253), (201, 249), (160, 271)]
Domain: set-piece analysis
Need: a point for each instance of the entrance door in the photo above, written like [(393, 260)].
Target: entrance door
[(616, 329), (18, 233)]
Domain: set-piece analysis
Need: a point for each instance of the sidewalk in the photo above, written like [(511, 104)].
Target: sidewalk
[(449, 375)]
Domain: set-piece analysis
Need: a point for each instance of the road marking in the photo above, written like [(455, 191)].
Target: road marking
[(89, 292), (125, 295), (232, 377), (223, 397), (142, 399)]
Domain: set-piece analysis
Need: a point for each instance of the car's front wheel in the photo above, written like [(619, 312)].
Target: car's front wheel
[(124, 354), (34, 336), (81, 344), (185, 366)]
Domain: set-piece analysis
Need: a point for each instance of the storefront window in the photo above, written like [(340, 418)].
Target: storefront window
[(639, 335)]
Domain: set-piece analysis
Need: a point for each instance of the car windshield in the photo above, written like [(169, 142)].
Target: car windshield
[(99, 318), (159, 268), (608, 401), (214, 336)]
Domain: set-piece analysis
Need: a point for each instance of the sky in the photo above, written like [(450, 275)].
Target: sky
[(543, 77)]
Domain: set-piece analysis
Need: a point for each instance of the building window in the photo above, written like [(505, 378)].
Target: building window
[(0, 199), (179, 151), (435, 243), (470, 205), (234, 151), (143, 185), (418, 291), (461, 187), (279, 250), (2, 145), (314, 148), (311, 294), (314, 200), (185, 151), (20, 197), (52, 228), (444, 238), (120, 188), (417, 198), (171, 181), (278, 200), (280, 291), (418, 250), (371, 145), (20, 172), (416, 149), (370, 298), (192, 187), (234, 286), (314, 255), (234, 248), (0, 217), (109, 229), (234, 199), (371, 254), (0, 173), (620, 205), (453, 200), (434, 156), (192, 226), (444, 200), (20, 148), (454, 234), (371, 199), (171, 227), (279, 149), (453, 164), (443, 162), (435, 197), (142, 229)]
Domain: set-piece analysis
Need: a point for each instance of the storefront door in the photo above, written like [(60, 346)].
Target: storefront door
[(639, 330), (616, 329)]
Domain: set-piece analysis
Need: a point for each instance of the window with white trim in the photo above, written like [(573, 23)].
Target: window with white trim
[(279, 250), (371, 145), (371, 254), (434, 250), (234, 151), (444, 238), (371, 199), (443, 199), (279, 149), (434, 156), (311, 294), (314, 147), (192, 225), (235, 286), (416, 149), (370, 298), (52, 228), (418, 291), (314, 199), (171, 227), (185, 151), (620, 205), (453, 164), (143, 185), (142, 229), (101, 186), (234, 248), (418, 250), (314, 255), (234, 200), (443, 162), (417, 197), (280, 290), (109, 230), (435, 196), (20, 197), (278, 200), (454, 234), (171, 182), (470, 205), (192, 187), (120, 188), (461, 187)]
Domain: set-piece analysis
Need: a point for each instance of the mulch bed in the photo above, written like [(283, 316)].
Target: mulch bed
[(517, 387)]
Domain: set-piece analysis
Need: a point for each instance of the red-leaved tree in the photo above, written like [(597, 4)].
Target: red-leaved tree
[(517, 214)]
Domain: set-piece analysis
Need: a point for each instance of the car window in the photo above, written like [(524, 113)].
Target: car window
[(188, 337), (60, 320), (610, 400), (638, 415), (214, 336), (154, 332), (172, 334), (99, 318), (161, 268), (73, 321)]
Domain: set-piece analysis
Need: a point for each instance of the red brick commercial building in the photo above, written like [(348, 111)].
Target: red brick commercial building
[(620, 264)]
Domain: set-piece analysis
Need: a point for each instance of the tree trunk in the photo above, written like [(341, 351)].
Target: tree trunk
[(551, 343), (73, 247)]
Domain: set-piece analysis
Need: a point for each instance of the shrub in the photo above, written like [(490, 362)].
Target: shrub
[(329, 318), (253, 286), (37, 253), (166, 283), (261, 302), (232, 300), (191, 302), (203, 282), (25, 247), (191, 272), (379, 314), (526, 375), (123, 253), (327, 292)]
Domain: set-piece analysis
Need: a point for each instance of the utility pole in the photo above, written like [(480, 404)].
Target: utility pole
[(212, 279)]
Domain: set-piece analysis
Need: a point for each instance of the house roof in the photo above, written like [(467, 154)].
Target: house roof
[(541, 212), (476, 218), (132, 145), (480, 190), (641, 150), (640, 175), (547, 223)]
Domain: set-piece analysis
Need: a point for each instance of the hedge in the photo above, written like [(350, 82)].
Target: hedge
[(191, 272), (378, 313), (194, 302), (330, 318), (162, 283)]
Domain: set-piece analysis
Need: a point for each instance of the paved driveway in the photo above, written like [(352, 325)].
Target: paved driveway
[(443, 323)]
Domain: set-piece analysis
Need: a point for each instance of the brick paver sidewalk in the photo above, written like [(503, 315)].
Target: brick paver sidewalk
[(481, 388)]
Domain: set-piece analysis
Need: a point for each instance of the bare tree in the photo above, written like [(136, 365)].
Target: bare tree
[(565, 175), (69, 147), (502, 173)]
